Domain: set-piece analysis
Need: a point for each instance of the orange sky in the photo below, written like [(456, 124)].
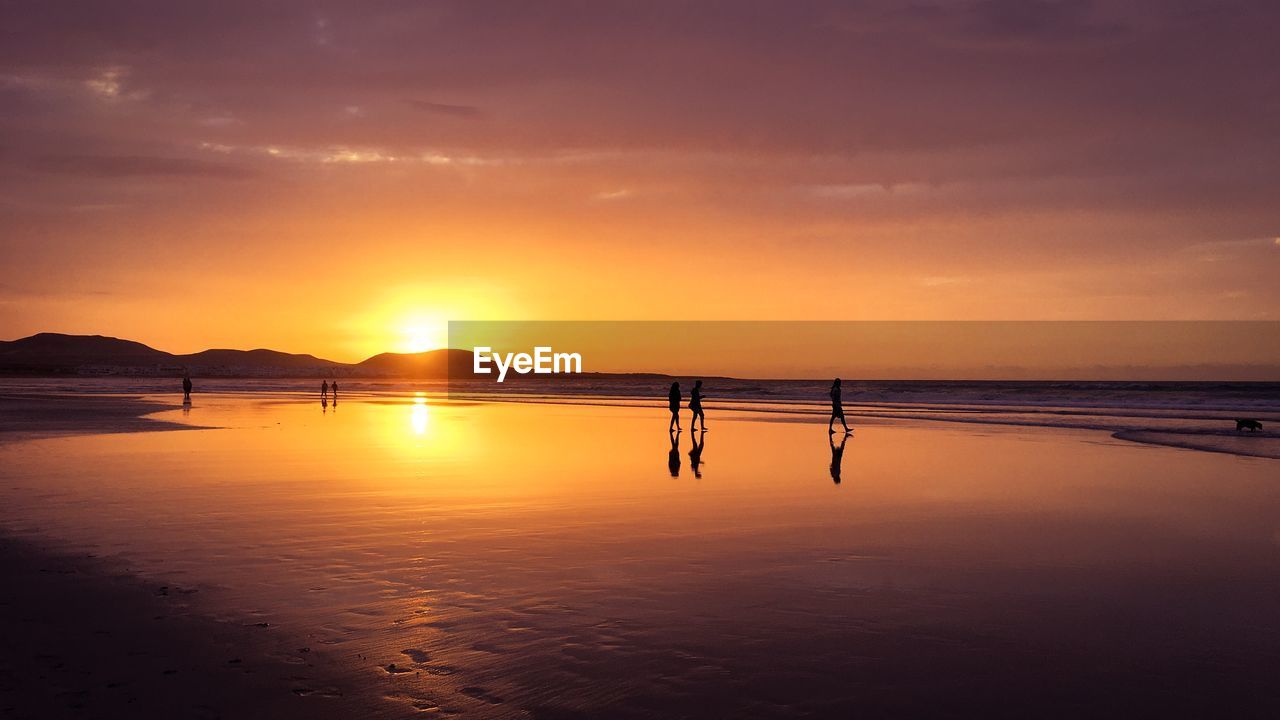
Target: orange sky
[(892, 350), (343, 179)]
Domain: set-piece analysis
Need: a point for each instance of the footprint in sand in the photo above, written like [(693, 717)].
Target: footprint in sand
[(328, 692), (480, 693), (423, 704), (418, 656)]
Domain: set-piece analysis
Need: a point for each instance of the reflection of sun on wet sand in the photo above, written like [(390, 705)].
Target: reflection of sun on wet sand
[(418, 554)]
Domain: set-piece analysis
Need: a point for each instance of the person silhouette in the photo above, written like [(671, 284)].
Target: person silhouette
[(695, 404), (186, 388), (673, 457), (837, 408), (324, 390), (333, 388), (673, 402), (695, 453), (837, 456)]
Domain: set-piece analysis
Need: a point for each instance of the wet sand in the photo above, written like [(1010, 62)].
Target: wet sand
[(82, 637), (30, 415), (543, 561)]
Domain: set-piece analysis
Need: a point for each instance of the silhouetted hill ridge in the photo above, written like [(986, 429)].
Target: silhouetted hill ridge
[(57, 348), (58, 354), (430, 364), (62, 354)]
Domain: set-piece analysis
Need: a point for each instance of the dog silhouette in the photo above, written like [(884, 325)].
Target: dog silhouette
[(1250, 425)]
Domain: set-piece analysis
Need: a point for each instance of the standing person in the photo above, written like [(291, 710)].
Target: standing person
[(673, 402), (334, 388), (837, 409), (695, 404), (324, 390), (186, 387)]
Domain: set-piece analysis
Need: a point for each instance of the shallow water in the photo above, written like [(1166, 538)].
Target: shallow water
[(542, 559)]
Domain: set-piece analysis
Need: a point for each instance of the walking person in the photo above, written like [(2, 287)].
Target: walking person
[(673, 402), (837, 409), (324, 390), (186, 388), (695, 404)]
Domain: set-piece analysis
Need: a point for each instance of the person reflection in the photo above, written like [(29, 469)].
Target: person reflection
[(837, 456), (673, 457), (324, 403), (695, 453)]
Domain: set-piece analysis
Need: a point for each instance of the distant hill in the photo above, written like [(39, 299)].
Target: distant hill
[(256, 359), (434, 364), (59, 354), (51, 354)]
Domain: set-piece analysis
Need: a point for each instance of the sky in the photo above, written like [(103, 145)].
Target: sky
[(1161, 350), (343, 178)]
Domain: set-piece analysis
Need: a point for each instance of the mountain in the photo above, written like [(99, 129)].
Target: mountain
[(54, 351), (256, 359), (58, 354), (434, 364)]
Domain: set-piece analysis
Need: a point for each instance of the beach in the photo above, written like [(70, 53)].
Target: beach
[(403, 553)]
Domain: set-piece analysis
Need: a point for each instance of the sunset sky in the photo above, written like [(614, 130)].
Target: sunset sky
[(343, 178)]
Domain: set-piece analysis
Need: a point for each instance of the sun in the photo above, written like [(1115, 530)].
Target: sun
[(421, 336)]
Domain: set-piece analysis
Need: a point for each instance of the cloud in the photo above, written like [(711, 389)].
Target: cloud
[(945, 280), (1042, 20), (107, 84), (851, 191), (123, 166), (459, 111)]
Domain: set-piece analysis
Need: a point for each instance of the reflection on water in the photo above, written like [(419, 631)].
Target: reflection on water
[(673, 455), (527, 556), (418, 414), (699, 440), (837, 455)]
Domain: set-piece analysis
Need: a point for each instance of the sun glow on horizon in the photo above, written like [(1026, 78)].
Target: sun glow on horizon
[(415, 318), (421, 336)]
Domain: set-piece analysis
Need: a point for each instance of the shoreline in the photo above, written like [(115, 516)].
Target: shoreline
[(25, 416), (1265, 444), (33, 415)]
